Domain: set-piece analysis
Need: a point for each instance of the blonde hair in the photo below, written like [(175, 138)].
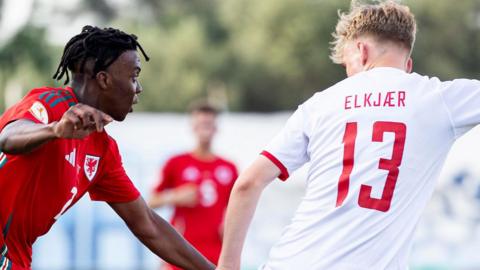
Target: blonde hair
[(385, 21)]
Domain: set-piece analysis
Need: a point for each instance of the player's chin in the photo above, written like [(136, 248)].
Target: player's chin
[(121, 116)]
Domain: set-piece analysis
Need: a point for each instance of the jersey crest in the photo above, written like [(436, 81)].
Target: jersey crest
[(39, 111), (90, 167)]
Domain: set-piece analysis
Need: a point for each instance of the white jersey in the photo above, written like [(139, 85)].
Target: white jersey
[(376, 143)]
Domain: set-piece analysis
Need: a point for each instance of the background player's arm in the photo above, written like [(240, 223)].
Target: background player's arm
[(159, 236), (23, 136), (185, 195), (241, 207)]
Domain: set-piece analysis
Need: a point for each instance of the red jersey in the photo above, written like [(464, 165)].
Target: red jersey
[(40, 186), (201, 225)]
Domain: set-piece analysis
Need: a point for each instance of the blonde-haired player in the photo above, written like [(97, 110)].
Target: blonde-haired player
[(375, 141)]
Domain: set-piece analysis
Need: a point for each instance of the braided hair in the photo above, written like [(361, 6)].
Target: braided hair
[(102, 45)]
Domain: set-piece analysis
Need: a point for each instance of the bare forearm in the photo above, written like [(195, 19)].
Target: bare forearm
[(241, 209), (159, 236), (24, 136), (171, 247), (79, 121)]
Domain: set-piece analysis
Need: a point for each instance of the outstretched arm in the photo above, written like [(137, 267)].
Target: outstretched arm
[(241, 207), (23, 136), (159, 236)]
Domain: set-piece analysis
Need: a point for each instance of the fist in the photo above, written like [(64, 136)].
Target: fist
[(79, 121)]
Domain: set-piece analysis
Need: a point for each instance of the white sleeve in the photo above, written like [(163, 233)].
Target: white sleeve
[(462, 99), (288, 149)]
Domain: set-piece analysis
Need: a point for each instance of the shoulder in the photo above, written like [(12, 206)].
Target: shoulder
[(42, 105), (310, 105), (105, 137), (54, 97), (55, 100), (178, 158), (459, 83), (225, 162)]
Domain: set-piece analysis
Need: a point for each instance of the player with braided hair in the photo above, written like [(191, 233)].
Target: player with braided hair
[(55, 149), (103, 44)]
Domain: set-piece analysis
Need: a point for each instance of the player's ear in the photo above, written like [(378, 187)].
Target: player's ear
[(409, 65), (103, 79), (363, 51)]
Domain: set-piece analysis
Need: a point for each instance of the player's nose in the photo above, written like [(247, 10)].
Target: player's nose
[(139, 88)]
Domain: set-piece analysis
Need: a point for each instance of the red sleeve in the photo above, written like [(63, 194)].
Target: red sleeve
[(283, 170), (167, 178), (114, 185), (42, 105), (30, 108)]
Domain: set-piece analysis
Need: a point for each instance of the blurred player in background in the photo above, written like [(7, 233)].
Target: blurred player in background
[(375, 141), (55, 150), (198, 184)]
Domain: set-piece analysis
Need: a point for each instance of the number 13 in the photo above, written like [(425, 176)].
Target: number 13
[(391, 165)]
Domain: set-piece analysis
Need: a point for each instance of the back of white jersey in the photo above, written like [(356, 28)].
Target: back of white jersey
[(376, 143)]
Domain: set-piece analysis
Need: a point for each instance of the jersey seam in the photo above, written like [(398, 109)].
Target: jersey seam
[(449, 114)]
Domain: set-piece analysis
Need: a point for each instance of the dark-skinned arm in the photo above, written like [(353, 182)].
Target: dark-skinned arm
[(159, 236), (23, 136)]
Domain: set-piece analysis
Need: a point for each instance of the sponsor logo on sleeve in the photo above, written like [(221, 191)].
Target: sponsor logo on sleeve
[(39, 112)]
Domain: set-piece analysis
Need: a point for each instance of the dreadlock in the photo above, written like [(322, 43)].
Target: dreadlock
[(102, 45)]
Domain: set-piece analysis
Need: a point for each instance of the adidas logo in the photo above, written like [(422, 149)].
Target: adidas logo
[(71, 157)]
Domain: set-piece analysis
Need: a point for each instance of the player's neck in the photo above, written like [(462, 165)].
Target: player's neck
[(84, 94), (390, 59), (203, 152), (386, 64)]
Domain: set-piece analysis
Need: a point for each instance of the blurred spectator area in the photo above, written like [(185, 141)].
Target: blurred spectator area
[(244, 55)]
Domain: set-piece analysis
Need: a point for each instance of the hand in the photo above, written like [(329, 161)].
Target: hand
[(186, 195), (79, 121)]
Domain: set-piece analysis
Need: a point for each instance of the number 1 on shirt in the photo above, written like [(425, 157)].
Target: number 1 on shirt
[(365, 199)]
